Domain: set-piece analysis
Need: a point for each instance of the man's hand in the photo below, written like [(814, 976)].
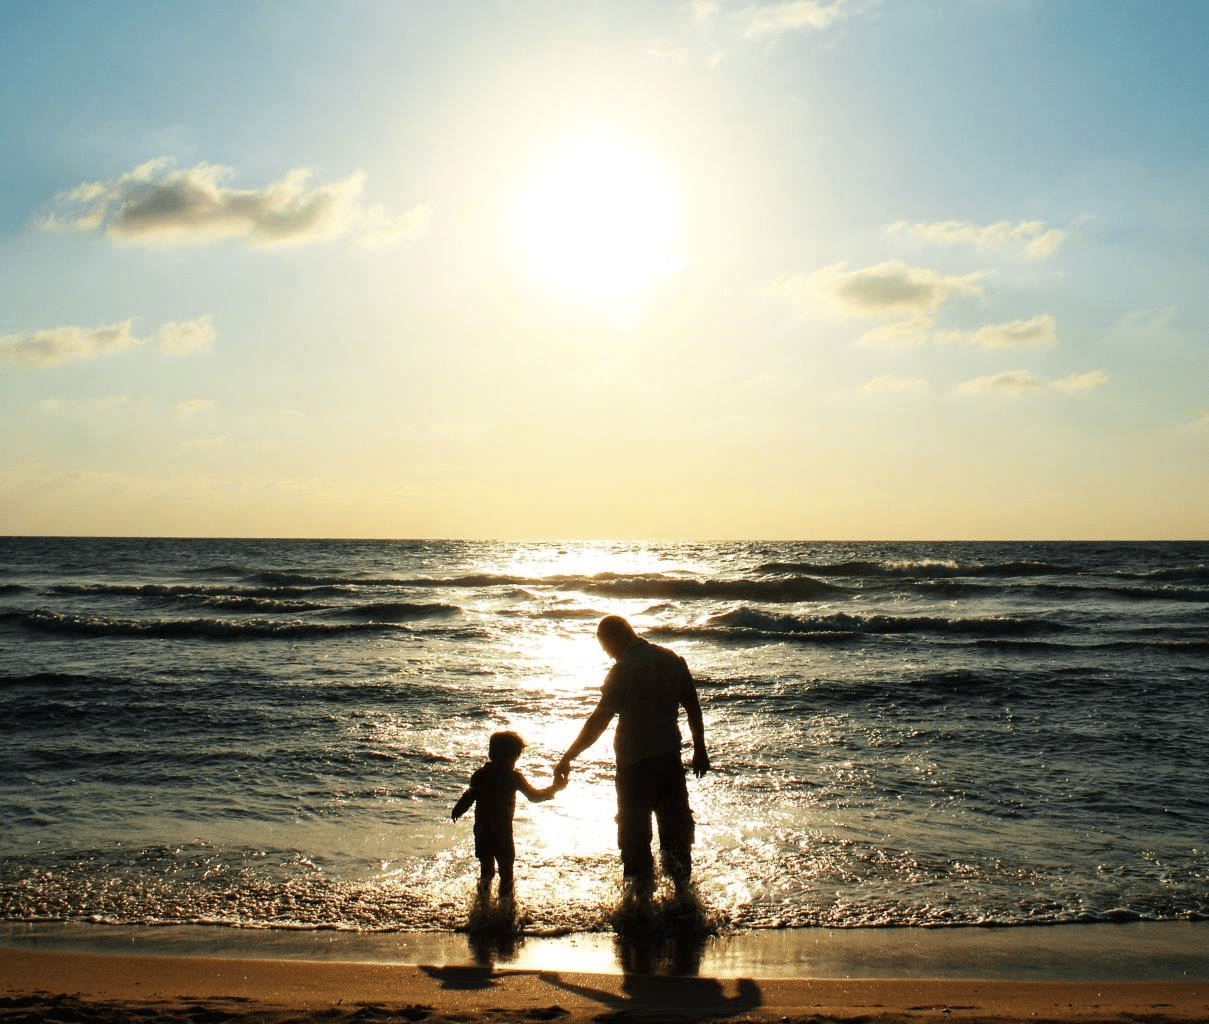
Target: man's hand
[(562, 770), (700, 761)]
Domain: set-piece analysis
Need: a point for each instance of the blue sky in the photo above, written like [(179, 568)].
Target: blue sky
[(846, 269)]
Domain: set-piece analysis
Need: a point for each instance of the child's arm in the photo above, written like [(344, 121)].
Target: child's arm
[(537, 796), (463, 804)]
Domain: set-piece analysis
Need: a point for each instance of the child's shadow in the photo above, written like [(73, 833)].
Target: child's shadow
[(493, 930)]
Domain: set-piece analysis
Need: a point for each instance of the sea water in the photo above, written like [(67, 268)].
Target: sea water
[(271, 734)]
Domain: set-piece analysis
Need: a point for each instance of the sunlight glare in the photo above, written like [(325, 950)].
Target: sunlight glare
[(600, 219)]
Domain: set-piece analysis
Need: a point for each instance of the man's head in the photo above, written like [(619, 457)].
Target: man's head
[(505, 747), (614, 634)]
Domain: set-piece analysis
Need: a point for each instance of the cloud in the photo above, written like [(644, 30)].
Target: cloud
[(194, 405), (1083, 381), (189, 336), (703, 10), (1201, 423), (889, 383), (1035, 238), (796, 14), (1040, 330), (58, 345), (158, 204), (1019, 382), (892, 291)]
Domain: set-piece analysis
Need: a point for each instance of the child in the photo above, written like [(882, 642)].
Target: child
[(493, 789)]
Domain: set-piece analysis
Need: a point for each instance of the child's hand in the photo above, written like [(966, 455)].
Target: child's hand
[(455, 815), (559, 783)]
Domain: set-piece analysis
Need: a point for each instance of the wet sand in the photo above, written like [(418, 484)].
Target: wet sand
[(1134, 972)]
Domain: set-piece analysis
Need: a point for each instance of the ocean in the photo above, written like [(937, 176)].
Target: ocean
[(270, 734)]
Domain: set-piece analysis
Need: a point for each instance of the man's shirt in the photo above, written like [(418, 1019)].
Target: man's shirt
[(645, 688)]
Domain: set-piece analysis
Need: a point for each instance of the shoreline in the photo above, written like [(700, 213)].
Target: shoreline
[(1155, 972), (1128, 951)]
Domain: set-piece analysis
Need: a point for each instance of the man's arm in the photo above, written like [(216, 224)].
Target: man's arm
[(696, 724), (598, 721)]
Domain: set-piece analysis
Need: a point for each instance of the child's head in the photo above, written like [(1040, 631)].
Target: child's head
[(505, 747)]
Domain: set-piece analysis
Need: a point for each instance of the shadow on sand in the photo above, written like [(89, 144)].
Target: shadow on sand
[(660, 941)]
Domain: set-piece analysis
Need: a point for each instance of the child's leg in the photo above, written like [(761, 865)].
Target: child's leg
[(486, 874), (505, 877)]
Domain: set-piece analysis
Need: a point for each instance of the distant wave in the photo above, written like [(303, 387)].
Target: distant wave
[(917, 569), (217, 629), (401, 610), (746, 621), (11, 588), (780, 590), (939, 569)]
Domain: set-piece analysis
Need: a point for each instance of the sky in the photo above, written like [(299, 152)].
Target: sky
[(819, 269)]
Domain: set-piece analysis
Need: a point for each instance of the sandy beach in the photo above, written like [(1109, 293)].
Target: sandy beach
[(38, 983)]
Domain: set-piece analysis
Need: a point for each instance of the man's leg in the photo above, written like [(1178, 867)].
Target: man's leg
[(676, 826), (635, 794)]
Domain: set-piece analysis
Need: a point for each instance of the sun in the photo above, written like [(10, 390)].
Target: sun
[(600, 219)]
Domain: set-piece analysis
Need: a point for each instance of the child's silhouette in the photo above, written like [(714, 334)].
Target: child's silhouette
[(493, 792)]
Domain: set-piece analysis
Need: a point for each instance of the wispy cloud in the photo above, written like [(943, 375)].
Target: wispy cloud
[(57, 345), (1034, 238), (188, 336), (905, 295), (1020, 382), (192, 406), (890, 383), (1035, 333), (1082, 381), (891, 289), (158, 204), (1201, 423), (786, 17)]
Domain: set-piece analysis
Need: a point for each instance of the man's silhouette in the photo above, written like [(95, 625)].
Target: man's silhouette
[(645, 689)]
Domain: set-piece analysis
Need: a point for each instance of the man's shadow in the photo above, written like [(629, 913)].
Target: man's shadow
[(660, 945)]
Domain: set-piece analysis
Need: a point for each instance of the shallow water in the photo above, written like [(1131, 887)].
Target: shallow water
[(271, 733)]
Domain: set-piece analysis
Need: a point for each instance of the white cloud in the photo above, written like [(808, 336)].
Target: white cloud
[(703, 10), (58, 345), (1035, 238), (158, 204), (885, 290), (194, 405), (1019, 382), (890, 383), (1014, 382), (795, 14), (900, 334), (378, 230), (1082, 381), (1201, 423), (1040, 330), (188, 336)]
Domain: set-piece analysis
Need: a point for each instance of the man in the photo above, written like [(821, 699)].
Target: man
[(645, 689)]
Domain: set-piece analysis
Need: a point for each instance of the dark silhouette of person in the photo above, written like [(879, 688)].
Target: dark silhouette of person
[(645, 689), (492, 791)]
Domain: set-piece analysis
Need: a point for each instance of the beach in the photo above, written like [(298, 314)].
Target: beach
[(1151, 972)]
